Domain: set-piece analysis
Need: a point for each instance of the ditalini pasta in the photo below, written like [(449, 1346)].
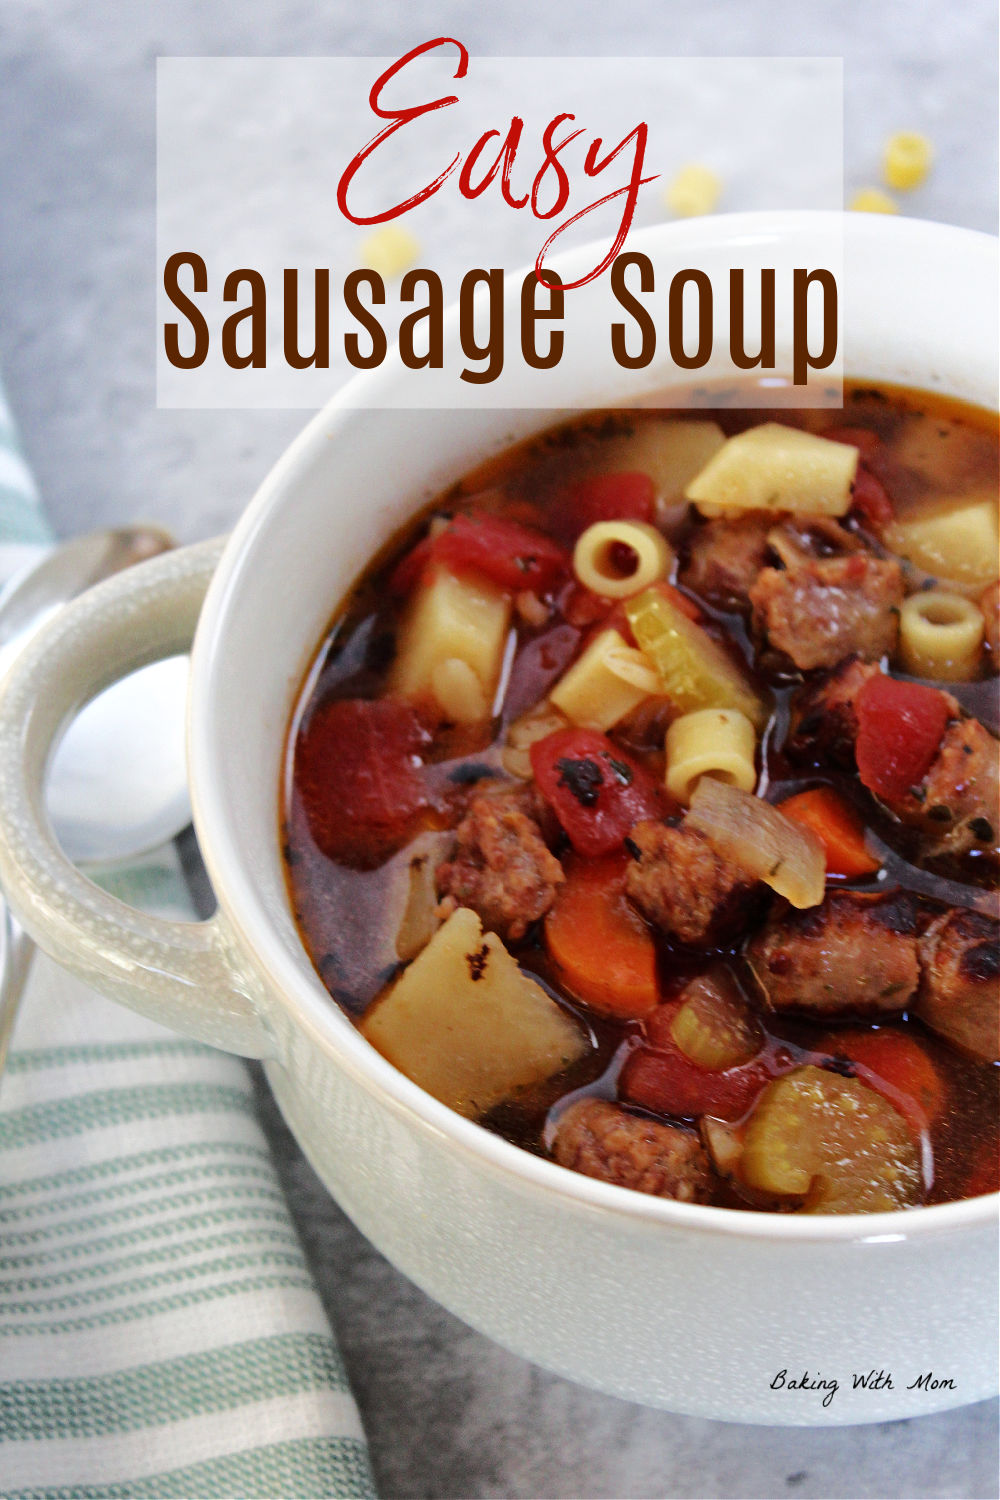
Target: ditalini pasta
[(940, 636), (451, 644), (619, 558), (718, 742)]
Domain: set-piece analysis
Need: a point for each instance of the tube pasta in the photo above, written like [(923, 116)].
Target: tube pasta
[(594, 558), (606, 683), (940, 636), (717, 742)]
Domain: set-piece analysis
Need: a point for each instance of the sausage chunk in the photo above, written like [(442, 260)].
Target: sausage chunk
[(603, 1140), (724, 558), (683, 886), (825, 719), (830, 608), (960, 981), (852, 954), (501, 867), (959, 804)]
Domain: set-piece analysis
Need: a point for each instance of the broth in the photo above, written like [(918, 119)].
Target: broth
[(349, 897)]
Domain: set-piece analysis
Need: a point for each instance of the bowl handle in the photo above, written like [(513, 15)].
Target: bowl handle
[(185, 974)]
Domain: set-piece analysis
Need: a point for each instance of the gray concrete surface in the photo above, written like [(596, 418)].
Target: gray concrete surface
[(448, 1413)]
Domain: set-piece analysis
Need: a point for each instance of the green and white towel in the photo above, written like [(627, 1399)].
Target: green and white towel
[(160, 1333)]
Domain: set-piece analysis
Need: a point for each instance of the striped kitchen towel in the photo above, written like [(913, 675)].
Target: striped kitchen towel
[(160, 1333)]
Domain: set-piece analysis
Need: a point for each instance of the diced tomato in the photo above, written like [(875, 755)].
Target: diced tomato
[(895, 1066), (900, 725), (596, 790), (601, 947), (614, 619), (409, 569), (870, 502), (514, 556), (604, 497), (358, 771), (838, 828), (581, 607), (868, 495), (659, 1077)]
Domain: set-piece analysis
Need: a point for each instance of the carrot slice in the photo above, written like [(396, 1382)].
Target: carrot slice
[(602, 949), (896, 1061), (838, 828)]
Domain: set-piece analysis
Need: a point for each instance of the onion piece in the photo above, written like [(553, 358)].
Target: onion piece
[(761, 840)]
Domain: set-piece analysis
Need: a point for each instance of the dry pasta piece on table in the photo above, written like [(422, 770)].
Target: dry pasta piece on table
[(907, 160)]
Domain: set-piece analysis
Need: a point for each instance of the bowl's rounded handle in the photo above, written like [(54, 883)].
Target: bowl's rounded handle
[(184, 974)]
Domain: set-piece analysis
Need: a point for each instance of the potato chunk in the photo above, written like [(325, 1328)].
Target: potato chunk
[(467, 1025), (607, 682), (957, 540), (773, 467), (834, 1143), (451, 644), (670, 451)]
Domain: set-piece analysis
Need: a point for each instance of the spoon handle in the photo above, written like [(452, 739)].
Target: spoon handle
[(15, 964)]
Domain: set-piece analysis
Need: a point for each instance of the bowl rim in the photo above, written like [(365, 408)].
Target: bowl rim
[(297, 988)]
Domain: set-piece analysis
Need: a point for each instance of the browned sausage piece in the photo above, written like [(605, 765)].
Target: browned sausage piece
[(683, 886), (854, 954), (825, 719), (724, 557), (959, 805), (830, 608), (501, 867), (960, 982), (603, 1140)]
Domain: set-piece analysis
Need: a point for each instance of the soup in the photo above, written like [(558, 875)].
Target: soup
[(642, 802)]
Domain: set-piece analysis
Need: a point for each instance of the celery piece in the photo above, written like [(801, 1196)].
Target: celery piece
[(695, 671), (713, 1027), (834, 1143)]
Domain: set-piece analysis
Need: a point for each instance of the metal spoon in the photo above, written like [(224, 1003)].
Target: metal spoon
[(117, 786)]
